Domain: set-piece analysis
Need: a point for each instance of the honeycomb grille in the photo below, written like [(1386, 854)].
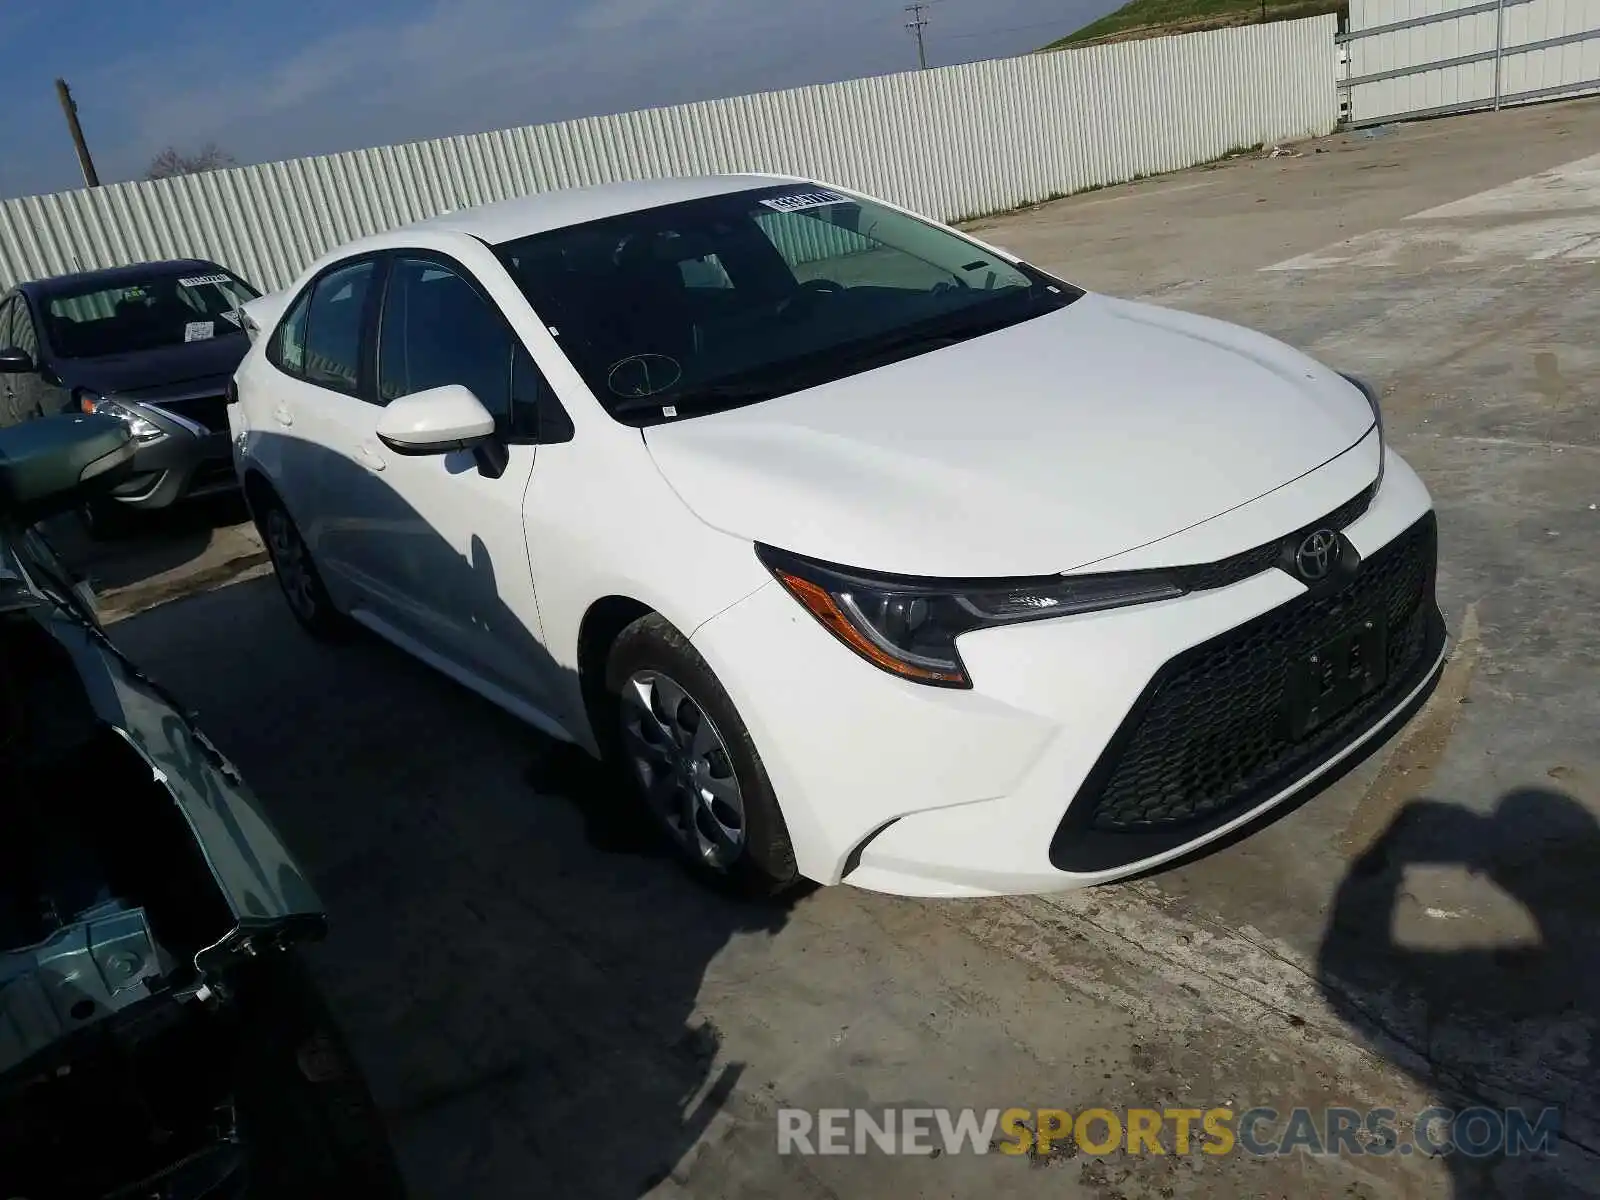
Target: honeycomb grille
[(1247, 563), (1212, 734)]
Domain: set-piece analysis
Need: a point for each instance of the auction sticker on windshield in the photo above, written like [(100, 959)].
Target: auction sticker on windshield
[(803, 200), (198, 280), (198, 331)]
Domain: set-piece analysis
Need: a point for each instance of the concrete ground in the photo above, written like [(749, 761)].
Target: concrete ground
[(546, 1007)]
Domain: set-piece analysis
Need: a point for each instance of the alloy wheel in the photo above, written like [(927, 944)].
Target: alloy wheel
[(684, 768)]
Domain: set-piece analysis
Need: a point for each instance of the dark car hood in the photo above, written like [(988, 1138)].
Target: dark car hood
[(151, 373)]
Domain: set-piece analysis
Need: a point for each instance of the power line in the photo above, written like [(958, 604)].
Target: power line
[(915, 24)]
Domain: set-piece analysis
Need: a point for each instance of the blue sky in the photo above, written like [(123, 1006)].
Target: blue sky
[(281, 79)]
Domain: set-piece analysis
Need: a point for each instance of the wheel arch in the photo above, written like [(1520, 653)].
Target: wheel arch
[(602, 623)]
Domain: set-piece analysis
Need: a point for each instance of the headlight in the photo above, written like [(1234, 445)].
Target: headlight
[(1371, 393), (143, 430), (909, 626)]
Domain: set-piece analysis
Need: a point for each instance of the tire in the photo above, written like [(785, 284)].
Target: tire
[(105, 520), (307, 1121), (651, 663), (296, 572)]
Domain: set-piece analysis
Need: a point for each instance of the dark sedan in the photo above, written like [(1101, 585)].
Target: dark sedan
[(154, 345)]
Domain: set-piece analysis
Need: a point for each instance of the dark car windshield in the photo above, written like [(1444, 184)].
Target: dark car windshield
[(162, 308), (740, 297)]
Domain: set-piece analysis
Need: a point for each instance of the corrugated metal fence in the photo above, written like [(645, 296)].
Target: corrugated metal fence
[(953, 142), (1418, 58)]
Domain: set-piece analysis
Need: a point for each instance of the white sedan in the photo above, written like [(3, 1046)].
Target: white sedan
[(870, 553)]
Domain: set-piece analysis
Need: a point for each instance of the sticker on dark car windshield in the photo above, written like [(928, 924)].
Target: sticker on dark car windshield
[(198, 280), (803, 200), (198, 331)]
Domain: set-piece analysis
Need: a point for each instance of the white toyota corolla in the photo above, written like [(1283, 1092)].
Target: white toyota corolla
[(872, 553)]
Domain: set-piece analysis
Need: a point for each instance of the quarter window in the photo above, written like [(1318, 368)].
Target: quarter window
[(289, 347), (333, 327)]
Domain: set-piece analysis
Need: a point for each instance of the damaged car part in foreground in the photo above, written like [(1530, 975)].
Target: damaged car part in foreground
[(149, 1002)]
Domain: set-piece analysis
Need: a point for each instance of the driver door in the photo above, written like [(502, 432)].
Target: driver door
[(459, 555)]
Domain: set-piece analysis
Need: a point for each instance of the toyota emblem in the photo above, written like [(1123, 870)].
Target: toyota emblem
[(1316, 555)]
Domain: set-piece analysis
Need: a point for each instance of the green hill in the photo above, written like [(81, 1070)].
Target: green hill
[(1156, 18)]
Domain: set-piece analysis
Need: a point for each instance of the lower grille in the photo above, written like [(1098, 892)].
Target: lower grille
[(1209, 738)]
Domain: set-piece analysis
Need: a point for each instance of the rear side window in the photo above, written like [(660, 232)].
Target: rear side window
[(333, 327)]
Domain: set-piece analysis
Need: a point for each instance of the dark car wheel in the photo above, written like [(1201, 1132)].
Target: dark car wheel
[(297, 574), (682, 743)]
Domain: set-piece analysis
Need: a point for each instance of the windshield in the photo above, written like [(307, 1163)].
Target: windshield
[(164, 308), (737, 298)]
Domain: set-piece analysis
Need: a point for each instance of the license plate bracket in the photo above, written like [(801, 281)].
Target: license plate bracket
[(1338, 674)]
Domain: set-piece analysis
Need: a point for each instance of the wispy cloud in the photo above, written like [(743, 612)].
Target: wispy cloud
[(460, 66)]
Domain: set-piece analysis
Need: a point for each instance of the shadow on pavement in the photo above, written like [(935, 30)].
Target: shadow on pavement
[(1508, 1022), (153, 544), (523, 1005)]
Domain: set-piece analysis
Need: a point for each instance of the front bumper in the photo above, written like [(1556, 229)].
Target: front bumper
[(188, 463), (1007, 788)]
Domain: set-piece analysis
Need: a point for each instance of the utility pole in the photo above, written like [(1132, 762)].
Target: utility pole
[(915, 24), (70, 107)]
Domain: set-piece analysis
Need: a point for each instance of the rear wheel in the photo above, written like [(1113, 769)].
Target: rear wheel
[(296, 572), (682, 743)]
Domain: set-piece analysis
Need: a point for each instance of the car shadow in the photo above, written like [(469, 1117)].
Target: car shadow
[(153, 544), (514, 958), (1507, 1023)]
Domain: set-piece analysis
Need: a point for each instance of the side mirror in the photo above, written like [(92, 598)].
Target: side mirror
[(435, 421), (16, 362), (52, 464)]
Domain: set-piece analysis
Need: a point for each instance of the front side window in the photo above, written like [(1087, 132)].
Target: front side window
[(437, 329), (738, 298), (333, 327), (23, 336), (164, 307)]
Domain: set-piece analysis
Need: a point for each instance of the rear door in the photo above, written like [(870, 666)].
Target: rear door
[(323, 431), (457, 557)]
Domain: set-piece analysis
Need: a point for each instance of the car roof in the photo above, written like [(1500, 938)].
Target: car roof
[(113, 276), (520, 216)]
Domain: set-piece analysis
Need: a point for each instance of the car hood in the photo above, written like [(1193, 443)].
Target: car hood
[(1043, 447), (147, 374)]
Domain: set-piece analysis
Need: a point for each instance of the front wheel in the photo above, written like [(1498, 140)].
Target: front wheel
[(682, 742)]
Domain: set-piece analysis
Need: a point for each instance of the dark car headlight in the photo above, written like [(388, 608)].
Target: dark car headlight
[(140, 426), (1371, 393), (909, 626)]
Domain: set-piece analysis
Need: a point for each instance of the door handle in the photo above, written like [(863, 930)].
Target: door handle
[(282, 415), (370, 458)]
